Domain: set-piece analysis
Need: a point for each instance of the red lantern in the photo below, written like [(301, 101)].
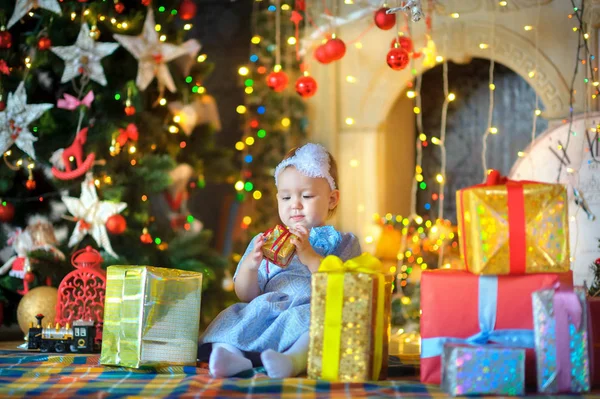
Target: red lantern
[(44, 43), (404, 42), (335, 49), (187, 10), (81, 293), (397, 59), (5, 39), (7, 212), (277, 81), (116, 224), (384, 21), (321, 55), (306, 86)]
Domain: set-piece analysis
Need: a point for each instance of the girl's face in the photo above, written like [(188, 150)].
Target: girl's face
[(304, 200)]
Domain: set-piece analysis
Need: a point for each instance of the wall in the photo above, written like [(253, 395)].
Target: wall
[(366, 147)]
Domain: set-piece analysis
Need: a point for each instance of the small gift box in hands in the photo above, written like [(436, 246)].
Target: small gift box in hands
[(278, 248)]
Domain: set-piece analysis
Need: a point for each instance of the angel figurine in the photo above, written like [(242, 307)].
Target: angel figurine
[(39, 235)]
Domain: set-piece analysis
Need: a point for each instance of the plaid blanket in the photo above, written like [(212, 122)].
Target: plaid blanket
[(53, 376)]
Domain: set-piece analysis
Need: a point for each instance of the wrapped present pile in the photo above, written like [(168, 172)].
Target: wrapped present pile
[(487, 329)]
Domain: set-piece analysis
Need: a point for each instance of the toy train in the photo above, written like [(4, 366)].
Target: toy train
[(79, 338)]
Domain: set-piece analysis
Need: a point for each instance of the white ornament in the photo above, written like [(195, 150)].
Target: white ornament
[(91, 215), (201, 110), (15, 120), (22, 7), (412, 8), (581, 174), (84, 57), (153, 55), (18, 264)]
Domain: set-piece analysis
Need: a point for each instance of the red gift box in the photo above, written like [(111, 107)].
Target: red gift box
[(450, 309), (594, 339)]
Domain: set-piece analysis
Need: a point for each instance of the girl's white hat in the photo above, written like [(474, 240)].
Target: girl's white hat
[(311, 160)]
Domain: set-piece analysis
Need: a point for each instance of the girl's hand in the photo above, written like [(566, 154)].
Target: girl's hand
[(255, 256), (305, 251)]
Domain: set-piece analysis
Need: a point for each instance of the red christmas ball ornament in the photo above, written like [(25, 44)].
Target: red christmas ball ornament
[(321, 55), (403, 42), (5, 39), (397, 59), (187, 10), (44, 43), (277, 81), (29, 277), (7, 212), (306, 86), (116, 224), (129, 110), (384, 21), (119, 7), (335, 49), (146, 238), (146, 2), (30, 184), (597, 262)]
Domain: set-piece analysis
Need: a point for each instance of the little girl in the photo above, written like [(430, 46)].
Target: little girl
[(276, 316)]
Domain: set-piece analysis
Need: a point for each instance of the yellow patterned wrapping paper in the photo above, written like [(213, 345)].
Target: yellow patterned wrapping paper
[(483, 221), (278, 251), (151, 317), (357, 360)]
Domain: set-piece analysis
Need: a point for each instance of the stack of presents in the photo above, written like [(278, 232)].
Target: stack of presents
[(510, 319)]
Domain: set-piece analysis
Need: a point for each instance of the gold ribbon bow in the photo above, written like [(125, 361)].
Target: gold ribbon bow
[(335, 268)]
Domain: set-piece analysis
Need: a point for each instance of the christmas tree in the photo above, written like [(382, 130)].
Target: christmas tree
[(274, 110), (595, 288), (106, 127)]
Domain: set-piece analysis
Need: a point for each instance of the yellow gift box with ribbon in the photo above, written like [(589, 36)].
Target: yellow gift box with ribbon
[(151, 317), (350, 320)]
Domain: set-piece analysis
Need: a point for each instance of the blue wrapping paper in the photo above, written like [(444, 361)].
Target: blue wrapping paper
[(483, 369)]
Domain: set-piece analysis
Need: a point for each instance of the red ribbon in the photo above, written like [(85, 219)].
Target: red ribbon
[(516, 219), (129, 133), (296, 18)]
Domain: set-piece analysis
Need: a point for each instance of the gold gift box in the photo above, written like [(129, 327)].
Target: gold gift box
[(151, 317), (484, 221), (357, 328), (278, 248)]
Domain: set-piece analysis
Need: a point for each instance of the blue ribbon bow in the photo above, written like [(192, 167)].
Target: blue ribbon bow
[(488, 303)]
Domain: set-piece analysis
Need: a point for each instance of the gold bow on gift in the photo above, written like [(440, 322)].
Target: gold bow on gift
[(335, 268)]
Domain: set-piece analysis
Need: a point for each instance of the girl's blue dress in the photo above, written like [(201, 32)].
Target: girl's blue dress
[(281, 314)]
